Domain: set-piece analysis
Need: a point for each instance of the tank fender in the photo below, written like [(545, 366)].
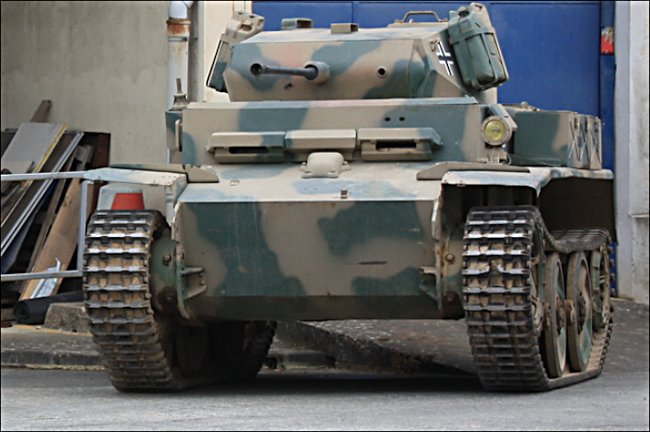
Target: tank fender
[(160, 189), (566, 196), (536, 178)]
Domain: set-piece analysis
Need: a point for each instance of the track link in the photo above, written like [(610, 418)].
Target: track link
[(499, 263)]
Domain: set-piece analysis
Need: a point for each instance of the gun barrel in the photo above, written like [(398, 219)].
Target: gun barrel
[(309, 72)]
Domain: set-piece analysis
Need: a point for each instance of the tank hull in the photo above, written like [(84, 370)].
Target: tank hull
[(296, 248)]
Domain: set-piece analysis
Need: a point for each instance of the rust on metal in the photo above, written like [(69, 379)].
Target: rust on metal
[(178, 27)]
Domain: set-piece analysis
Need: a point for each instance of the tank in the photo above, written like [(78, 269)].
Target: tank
[(356, 174)]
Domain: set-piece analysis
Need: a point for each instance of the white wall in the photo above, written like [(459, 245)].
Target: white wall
[(631, 117)]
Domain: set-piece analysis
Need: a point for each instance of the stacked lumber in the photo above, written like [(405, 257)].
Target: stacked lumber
[(40, 218)]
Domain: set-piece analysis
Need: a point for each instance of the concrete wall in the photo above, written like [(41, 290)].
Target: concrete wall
[(631, 112), (103, 65)]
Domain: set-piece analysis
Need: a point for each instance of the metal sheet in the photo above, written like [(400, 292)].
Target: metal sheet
[(31, 146), (9, 257), (35, 191)]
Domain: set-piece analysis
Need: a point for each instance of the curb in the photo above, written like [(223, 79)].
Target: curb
[(364, 354), (279, 357), (37, 347), (35, 359)]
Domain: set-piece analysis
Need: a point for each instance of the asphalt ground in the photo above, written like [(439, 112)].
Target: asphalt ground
[(320, 399), (339, 375)]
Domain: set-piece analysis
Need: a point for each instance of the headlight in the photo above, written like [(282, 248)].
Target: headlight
[(496, 131)]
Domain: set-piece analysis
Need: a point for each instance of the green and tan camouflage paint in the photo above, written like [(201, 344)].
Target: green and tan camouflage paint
[(358, 65), (267, 234), (558, 138), (454, 120)]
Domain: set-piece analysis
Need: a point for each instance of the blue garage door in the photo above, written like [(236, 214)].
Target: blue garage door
[(552, 49)]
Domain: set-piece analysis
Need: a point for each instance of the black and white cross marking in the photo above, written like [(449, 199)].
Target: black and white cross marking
[(445, 58)]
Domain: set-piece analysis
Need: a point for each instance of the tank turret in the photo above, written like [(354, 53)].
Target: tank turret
[(454, 58)]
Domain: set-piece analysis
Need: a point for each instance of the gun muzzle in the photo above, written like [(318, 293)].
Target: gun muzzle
[(317, 72)]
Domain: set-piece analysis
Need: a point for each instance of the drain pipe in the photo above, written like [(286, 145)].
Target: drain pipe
[(178, 36)]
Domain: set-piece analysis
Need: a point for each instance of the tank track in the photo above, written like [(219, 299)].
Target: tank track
[(136, 344), (117, 300), (500, 313)]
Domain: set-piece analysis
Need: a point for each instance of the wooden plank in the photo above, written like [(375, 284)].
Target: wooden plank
[(62, 239), (48, 218), (101, 143), (93, 190), (42, 112), (5, 138)]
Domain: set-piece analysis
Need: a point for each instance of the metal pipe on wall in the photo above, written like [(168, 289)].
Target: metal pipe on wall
[(178, 36)]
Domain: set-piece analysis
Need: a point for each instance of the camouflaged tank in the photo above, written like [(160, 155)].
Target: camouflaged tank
[(356, 173)]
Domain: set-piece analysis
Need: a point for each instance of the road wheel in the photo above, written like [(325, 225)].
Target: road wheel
[(579, 312), (241, 347), (554, 335), (192, 350), (600, 284)]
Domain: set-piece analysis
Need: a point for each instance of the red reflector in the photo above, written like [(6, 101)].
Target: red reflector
[(128, 201), (607, 40)]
